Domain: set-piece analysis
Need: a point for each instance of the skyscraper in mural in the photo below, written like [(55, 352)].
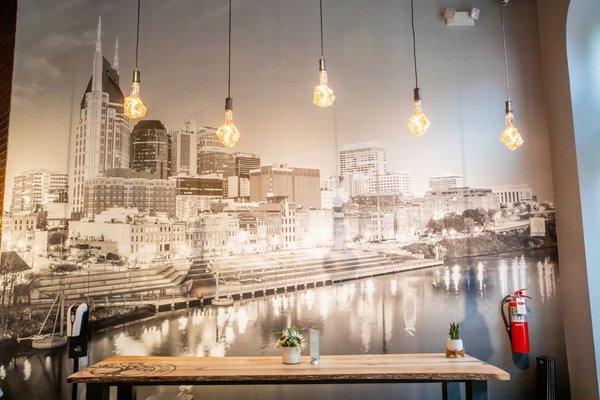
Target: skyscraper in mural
[(151, 149), (184, 149), (101, 139), (212, 155)]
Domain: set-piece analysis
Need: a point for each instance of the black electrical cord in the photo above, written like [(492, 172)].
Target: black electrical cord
[(505, 52), (229, 56), (412, 17), (321, 17), (137, 37)]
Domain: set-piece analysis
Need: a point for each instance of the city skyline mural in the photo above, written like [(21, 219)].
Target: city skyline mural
[(333, 219)]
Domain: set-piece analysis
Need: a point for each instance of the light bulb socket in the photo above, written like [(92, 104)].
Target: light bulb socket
[(417, 94), (229, 104), (321, 64), (136, 75), (508, 107)]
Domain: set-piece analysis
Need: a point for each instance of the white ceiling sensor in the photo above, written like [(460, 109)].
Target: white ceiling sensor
[(461, 18)]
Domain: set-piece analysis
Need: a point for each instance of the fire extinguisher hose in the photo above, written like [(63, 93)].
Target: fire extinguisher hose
[(505, 300)]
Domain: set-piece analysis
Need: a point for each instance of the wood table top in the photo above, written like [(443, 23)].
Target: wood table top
[(265, 370)]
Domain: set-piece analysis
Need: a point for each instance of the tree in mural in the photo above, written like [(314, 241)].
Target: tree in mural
[(469, 224), (450, 222), (435, 226), (454, 222), (479, 216), (12, 268)]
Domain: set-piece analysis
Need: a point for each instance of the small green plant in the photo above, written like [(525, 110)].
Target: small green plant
[(454, 331), (291, 337)]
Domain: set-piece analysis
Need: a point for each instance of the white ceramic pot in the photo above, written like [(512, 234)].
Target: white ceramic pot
[(454, 344), (290, 355)]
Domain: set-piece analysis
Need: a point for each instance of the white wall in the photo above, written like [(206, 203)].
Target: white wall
[(573, 149), (583, 51)]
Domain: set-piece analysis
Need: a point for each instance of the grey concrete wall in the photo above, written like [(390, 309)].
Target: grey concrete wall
[(568, 184)]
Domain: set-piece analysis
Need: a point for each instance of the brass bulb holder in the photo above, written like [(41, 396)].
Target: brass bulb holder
[(229, 104), (417, 94), (321, 64), (136, 75)]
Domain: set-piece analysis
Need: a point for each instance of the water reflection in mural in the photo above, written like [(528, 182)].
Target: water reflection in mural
[(373, 315)]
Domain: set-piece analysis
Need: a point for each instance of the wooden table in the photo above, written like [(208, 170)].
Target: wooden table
[(127, 372)]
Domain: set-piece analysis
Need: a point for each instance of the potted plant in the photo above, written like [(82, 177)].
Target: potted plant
[(454, 344), (291, 343)]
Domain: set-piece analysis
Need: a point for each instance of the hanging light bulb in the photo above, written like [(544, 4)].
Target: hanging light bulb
[(323, 95), (133, 107), (510, 136), (418, 123), (228, 133)]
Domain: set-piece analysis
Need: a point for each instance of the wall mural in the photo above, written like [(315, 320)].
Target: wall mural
[(336, 219)]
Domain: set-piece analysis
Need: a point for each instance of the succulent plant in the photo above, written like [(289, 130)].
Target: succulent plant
[(454, 331)]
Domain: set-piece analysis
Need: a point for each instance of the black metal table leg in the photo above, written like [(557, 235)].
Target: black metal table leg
[(450, 391), (97, 391), (125, 392), (477, 390)]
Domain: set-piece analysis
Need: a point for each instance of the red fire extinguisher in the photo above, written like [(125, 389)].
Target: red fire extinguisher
[(514, 314)]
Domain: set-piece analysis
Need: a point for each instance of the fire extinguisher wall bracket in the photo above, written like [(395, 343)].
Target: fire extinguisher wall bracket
[(514, 316), (504, 313)]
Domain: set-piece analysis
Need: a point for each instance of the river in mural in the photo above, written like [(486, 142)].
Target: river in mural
[(402, 313)]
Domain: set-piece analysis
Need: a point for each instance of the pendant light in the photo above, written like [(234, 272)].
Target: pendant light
[(510, 136), (133, 107), (418, 123), (322, 94), (227, 133)]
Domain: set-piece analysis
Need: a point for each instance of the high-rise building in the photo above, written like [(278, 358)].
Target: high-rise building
[(101, 139), (212, 157), (244, 162), (300, 186), (184, 149), (307, 187), (38, 187), (205, 185), (367, 158), (208, 140), (446, 182), (392, 183), (238, 187), (123, 188), (151, 149), (218, 162), (357, 184)]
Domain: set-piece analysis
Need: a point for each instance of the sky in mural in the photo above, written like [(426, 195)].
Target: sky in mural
[(275, 52)]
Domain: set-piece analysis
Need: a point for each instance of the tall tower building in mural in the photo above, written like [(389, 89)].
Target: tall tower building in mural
[(102, 135), (184, 149), (212, 155), (151, 149)]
